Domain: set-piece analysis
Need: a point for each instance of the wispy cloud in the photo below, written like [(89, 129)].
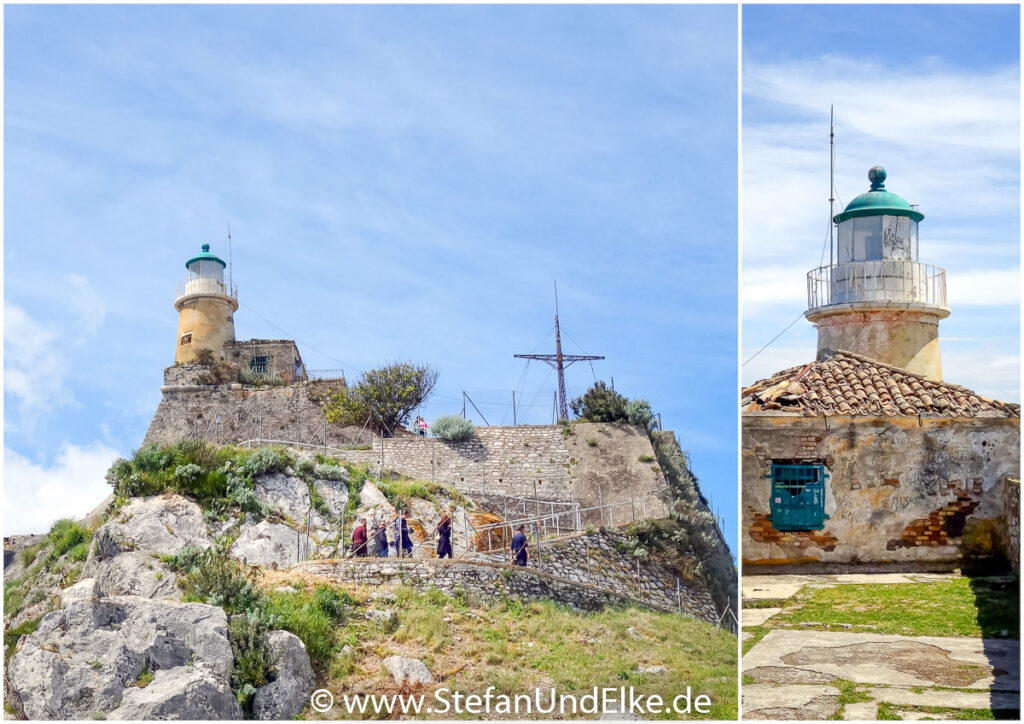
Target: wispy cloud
[(37, 494)]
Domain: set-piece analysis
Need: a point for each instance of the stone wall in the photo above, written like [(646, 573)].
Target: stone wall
[(294, 412), (1011, 517), (595, 465), (901, 490), (492, 580), (604, 560)]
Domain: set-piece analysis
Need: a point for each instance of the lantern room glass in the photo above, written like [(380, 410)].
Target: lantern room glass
[(872, 238), (207, 269)]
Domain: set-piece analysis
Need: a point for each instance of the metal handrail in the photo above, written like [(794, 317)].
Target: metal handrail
[(206, 285), (335, 374), (887, 280)]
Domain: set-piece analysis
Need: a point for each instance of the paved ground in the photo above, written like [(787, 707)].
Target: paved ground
[(798, 674)]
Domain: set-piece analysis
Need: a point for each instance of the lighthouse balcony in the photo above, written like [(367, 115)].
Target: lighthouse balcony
[(205, 287), (883, 283)]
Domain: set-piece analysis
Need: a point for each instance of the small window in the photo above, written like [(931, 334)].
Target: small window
[(186, 338), (798, 496), (260, 363)]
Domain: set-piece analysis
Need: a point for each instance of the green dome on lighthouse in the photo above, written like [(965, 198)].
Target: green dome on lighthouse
[(878, 201), (205, 255)]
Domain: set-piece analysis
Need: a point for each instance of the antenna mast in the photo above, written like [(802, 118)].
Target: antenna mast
[(231, 278), (560, 361), (831, 179)]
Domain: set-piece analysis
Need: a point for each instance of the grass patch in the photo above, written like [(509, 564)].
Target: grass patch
[(970, 607), (515, 646), (892, 712), (757, 633), (11, 636), (849, 693), (765, 603)]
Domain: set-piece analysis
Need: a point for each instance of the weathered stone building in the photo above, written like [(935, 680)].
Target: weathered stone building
[(865, 455)]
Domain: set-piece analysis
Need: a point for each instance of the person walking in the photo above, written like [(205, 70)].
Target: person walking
[(380, 540), (520, 554), (444, 536), (406, 541), (359, 539)]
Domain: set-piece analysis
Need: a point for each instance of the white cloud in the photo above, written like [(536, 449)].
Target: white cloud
[(983, 287), (69, 486), (37, 353), (35, 365)]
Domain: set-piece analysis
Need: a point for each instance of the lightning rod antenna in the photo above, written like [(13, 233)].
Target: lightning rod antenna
[(231, 276), (831, 178)]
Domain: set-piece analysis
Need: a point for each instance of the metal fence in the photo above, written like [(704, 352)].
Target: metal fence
[(889, 280)]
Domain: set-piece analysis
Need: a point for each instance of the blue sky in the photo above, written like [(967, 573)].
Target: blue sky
[(933, 94), (401, 183)]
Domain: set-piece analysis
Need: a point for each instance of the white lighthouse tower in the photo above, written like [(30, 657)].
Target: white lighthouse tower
[(206, 304), (878, 300)]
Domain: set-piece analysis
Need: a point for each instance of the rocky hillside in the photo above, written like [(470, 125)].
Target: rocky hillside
[(176, 599)]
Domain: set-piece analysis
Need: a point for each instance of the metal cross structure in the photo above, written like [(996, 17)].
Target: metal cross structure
[(560, 361)]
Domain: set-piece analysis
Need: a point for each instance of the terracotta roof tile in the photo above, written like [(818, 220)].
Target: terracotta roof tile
[(851, 384)]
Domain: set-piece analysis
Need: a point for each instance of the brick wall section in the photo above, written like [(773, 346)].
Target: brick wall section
[(762, 531), (490, 581), (945, 525)]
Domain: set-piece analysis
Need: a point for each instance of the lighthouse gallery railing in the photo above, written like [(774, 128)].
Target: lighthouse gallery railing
[(889, 280)]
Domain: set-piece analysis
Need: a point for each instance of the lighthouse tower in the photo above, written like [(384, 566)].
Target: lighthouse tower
[(878, 300), (206, 304)]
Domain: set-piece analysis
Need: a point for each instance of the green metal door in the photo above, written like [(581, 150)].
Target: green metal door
[(798, 497)]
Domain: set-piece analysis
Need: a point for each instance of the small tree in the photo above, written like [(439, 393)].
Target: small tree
[(387, 396), (600, 404)]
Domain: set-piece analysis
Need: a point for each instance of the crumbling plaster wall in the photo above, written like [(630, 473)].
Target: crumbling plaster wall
[(901, 490)]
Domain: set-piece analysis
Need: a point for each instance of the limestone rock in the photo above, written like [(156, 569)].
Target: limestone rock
[(133, 574), (85, 655), (289, 495), (160, 524), (411, 671), (86, 589), (334, 493), (184, 692), (384, 617), (651, 670), (269, 544), (285, 696), (371, 497)]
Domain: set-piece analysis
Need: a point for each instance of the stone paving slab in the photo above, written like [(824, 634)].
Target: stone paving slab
[(757, 616), (789, 702), (863, 711), (947, 699), (869, 658)]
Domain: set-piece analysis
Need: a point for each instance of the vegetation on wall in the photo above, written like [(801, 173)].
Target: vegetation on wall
[(386, 397), (453, 428)]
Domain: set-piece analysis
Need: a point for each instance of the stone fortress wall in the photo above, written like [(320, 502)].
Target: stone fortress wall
[(607, 466), (587, 572)]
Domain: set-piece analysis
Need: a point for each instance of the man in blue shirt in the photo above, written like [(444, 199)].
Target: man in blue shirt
[(520, 555)]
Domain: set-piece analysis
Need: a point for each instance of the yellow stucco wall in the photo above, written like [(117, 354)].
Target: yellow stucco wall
[(211, 323), (907, 339)]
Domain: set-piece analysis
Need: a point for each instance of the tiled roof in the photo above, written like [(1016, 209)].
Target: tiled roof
[(843, 383)]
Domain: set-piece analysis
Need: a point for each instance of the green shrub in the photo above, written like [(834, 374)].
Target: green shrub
[(313, 618), (386, 396), (185, 559), (638, 412), (600, 404), (28, 554), (264, 461), (247, 633), (221, 581), (327, 471), (646, 459), (67, 534), (453, 428)]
